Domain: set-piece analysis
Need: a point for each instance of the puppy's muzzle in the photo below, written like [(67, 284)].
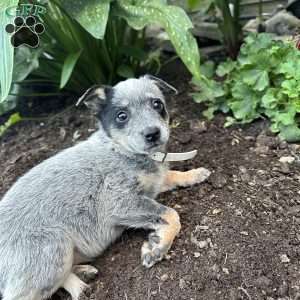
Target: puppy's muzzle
[(152, 135)]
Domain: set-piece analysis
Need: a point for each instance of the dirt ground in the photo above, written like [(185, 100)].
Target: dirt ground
[(240, 230)]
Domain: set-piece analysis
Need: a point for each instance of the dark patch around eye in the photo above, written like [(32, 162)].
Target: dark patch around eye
[(108, 116), (163, 113)]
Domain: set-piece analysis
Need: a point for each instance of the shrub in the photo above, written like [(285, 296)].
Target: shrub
[(263, 82)]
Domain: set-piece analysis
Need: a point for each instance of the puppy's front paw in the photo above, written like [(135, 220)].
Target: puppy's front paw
[(153, 251), (198, 175)]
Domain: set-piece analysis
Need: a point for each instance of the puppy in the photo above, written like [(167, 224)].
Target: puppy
[(67, 210)]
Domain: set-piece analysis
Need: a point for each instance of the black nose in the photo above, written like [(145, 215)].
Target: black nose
[(152, 134)]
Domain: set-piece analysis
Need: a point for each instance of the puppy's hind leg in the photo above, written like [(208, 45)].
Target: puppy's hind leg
[(22, 295), (75, 287), (86, 272)]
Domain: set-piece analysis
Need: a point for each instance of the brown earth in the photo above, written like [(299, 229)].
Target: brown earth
[(240, 231)]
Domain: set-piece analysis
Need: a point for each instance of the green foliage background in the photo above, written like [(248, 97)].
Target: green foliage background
[(263, 82)]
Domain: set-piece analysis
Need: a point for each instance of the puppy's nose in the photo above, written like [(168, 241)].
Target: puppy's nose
[(152, 134)]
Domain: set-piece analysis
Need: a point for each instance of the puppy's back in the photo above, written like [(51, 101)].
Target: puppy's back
[(57, 182)]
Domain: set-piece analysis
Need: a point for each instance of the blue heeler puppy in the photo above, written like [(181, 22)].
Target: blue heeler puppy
[(67, 210)]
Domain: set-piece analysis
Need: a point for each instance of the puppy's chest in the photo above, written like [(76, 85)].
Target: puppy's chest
[(150, 182)]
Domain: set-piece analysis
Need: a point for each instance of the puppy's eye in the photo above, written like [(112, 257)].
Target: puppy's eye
[(158, 105), (122, 117)]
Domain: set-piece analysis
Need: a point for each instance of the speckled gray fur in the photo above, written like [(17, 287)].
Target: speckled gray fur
[(76, 203)]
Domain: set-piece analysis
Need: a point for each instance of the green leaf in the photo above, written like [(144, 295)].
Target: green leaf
[(209, 90), (203, 5), (290, 133), (68, 67), (287, 117), (208, 69), (269, 101), (125, 71), (264, 82), (291, 67), (209, 113), (288, 68), (225, 68), (92, 15), (135, 52), (229, 121), (244, 103), (290, 87), (173, 19), (259, 79), (13, 119), (7, 50)]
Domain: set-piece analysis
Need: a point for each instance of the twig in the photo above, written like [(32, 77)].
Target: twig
[(245, 292), (225, 260)]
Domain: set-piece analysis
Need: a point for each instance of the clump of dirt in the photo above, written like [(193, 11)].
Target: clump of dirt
[(240, 230)]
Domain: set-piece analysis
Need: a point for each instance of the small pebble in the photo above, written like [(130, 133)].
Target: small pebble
[(216, 211), (225, 270), (182, 283), (202, 244), (198, 126), (244, 233), (197, 254), (201, 227), (284, 258), (287, 159), (164, 277), (285, 169)]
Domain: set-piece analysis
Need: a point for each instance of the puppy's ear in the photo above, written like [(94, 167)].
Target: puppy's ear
[(164, 86), (95, 97)]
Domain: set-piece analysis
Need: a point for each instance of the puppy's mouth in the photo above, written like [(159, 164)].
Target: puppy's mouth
[(154, 147)]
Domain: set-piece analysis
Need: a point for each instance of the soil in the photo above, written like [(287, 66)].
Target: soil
[(240, 230)]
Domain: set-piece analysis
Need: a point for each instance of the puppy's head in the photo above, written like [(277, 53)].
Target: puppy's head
[(133, 113)]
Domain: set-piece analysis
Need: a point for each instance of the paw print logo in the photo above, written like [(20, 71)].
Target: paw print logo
[(25, 31)]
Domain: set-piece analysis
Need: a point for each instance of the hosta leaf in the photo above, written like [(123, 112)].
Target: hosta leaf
[(173, 19), (68, 67), (202, 5), (7, 50), (125, 71), (91, 14)]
